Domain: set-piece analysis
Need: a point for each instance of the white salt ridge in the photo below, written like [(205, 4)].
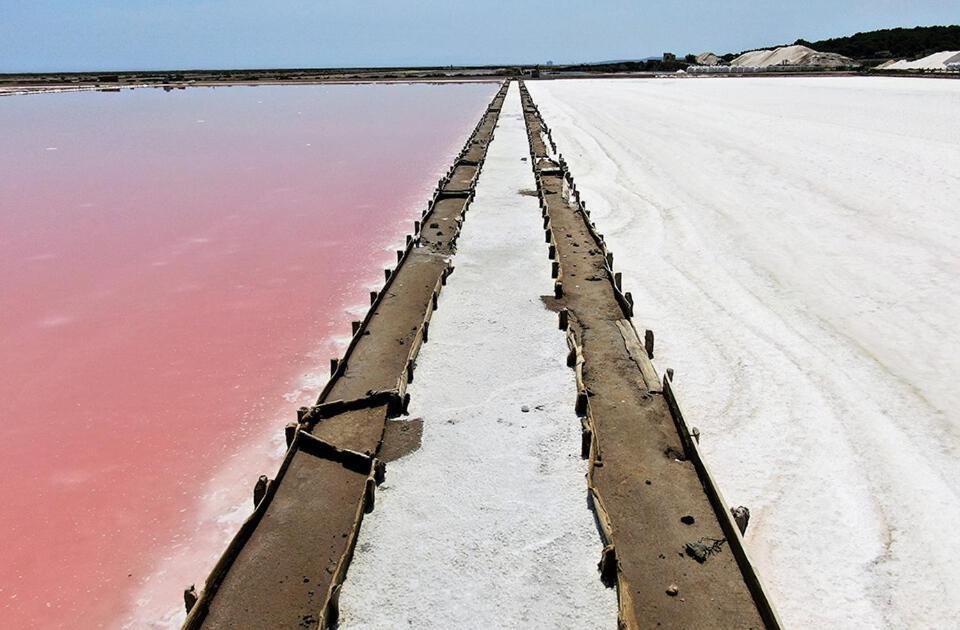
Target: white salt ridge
[(791, 56), (936, 61), (795, 245), (487, 525)]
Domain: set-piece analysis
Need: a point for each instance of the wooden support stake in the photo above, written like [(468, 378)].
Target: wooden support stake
[(609, 568), (741, 516), (190, 597), (581, 406), (648, 342), (334, 364), (369, 495), (564, 319), (260, 489)]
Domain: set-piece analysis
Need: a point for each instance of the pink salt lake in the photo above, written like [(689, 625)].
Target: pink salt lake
[(176, 270)]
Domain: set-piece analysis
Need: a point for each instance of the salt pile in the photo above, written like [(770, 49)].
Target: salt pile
[(937, 61), (791, 56)]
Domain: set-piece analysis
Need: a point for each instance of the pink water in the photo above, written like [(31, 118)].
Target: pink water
[(173, 267)]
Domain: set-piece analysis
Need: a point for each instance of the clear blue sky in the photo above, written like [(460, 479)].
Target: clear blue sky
[(38, 35)]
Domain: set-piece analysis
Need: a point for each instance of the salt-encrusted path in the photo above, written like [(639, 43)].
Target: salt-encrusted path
[(487, 524)]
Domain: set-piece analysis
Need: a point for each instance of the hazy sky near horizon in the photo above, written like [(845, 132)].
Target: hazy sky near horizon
[(44, 35)]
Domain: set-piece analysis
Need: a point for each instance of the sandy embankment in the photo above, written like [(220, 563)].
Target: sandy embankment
[(794, 244), (487, 524)]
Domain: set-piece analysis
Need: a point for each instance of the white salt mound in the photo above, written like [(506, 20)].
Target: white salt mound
[(936, 61), (791, 56), (707, 59)]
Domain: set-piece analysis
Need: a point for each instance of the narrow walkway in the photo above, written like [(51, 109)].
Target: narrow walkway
[(487, 524)]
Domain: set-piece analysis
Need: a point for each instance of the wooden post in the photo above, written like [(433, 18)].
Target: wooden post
[(369, 495), (190, 597), (741, 516), (581, 406), (260, 489)]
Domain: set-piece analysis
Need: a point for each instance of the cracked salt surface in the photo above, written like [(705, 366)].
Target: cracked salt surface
[(487, 525), (795, 245)]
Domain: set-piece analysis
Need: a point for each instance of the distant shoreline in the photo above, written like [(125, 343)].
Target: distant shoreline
[(26, 82)]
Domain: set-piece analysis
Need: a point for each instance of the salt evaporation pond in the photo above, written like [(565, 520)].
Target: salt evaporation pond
[(795, 244), (175, 266)]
